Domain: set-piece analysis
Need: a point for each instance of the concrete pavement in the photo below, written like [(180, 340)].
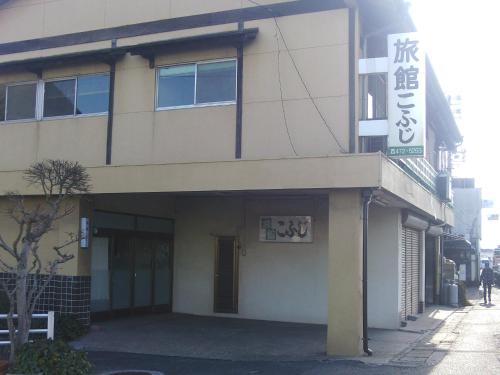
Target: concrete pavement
[(466, 342), (179, 335)]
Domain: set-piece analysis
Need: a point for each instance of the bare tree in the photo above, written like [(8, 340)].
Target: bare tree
[(27, 275)]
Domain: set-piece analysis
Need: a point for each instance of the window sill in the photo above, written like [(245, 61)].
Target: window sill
[(52, 118), (8, 122), (220, 104), (74, 117)]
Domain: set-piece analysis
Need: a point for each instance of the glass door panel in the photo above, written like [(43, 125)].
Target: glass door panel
[(143, 272), (163, 272), (99, 266), (121, 273)]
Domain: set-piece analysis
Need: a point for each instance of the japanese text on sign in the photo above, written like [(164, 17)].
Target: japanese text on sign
[(285, 229), (406, 96)]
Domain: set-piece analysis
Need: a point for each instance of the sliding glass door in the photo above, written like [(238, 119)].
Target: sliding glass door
[(131, 272), (143, 273), (121, 273)]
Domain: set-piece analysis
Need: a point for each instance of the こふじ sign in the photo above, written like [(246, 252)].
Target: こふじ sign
[(406, 96), (285, 229)]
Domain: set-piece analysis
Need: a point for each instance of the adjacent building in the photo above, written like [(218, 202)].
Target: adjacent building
[(237, 151), (463, 246)]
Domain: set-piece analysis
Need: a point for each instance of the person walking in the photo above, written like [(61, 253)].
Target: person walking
[(487, 278)]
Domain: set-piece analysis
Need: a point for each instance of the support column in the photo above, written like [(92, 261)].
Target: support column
[(345, 266)]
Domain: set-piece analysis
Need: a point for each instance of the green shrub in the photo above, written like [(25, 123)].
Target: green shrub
[(50, 358), (69, 328)]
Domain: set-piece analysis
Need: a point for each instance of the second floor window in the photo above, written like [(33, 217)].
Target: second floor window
[(207, 83), (83, 95), (20, 101), (373, 96), (76, 96)]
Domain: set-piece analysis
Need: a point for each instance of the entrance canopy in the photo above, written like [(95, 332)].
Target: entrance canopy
[(333, 172)]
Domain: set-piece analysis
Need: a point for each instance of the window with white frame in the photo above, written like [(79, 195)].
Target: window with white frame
[(82, 95), (197, 84), (92, 94), (2, 103), (20, 101), (59, 98)]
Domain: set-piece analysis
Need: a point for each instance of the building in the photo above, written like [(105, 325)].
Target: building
[(463, 247), (492, 256), (236, 155)]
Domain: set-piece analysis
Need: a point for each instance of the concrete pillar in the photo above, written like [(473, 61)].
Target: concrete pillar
[(345, 255)]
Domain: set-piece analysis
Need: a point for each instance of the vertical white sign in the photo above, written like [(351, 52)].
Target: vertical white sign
[(406, 96), (84, 233)]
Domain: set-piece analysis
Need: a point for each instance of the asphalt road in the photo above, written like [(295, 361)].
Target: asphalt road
[(476, 348), (105, 361), (471, 345)]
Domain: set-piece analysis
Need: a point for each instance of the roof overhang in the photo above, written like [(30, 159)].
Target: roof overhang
[(440, 112), (148, 50), (36, 65), (350, 171), (222, 39)]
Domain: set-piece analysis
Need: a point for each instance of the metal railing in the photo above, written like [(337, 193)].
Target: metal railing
[(49, 330), (422, 170)]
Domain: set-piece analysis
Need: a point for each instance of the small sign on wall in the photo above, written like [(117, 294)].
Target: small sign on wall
[(285, 229), (84, 232)]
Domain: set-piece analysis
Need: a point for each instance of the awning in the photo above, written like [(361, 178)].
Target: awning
[(35, 65), (222, 39), (147, 50), (457, 243)]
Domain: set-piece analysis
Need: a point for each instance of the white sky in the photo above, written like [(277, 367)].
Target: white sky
[(463, 45)]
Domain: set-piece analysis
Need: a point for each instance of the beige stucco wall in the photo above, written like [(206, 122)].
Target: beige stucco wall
[(81, 138), (142, 135), (277, 281), (342, 171), (56, 237), (320, 52), (42, 18)]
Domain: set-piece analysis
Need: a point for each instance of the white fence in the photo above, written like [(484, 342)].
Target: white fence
[(49, 330)]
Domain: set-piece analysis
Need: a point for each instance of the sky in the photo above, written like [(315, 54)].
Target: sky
[(461, 38)]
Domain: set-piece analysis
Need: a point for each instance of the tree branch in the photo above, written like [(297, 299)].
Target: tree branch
[(8, 248)]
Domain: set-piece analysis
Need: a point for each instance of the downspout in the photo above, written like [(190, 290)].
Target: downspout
[(367, 198), (441, 255), (352, 80), (111, 106), (239, 96)]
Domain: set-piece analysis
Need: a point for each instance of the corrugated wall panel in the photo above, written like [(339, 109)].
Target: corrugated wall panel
[(410, 272)]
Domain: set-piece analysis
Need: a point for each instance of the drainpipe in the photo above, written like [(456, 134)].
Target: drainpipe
[(367, 198), (441, 255), (111, 107)]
